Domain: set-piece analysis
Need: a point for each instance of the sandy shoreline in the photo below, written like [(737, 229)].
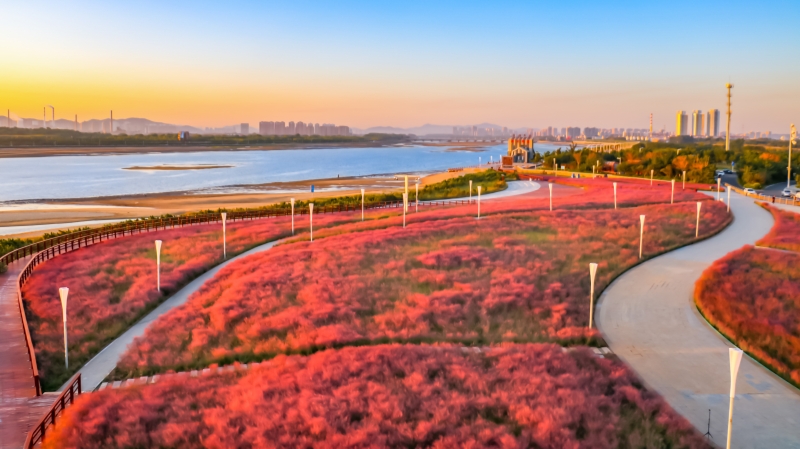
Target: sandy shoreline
[(135, 206)]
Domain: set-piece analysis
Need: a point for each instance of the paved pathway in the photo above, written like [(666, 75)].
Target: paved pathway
[(649, 320), (19, 409)]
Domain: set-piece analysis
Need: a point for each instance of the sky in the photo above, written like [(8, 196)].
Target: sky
[(403, 63)]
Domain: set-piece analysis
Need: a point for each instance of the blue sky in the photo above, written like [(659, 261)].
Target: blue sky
[(404, 63)]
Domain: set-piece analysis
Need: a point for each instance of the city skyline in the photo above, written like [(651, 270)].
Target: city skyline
[(443, 63)]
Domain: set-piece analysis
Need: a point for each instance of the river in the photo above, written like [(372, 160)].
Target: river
[(87, 176)]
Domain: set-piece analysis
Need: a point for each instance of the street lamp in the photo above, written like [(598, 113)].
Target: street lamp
[(479, 201), (651, 177), (697, 226), (672, 196), (470, 189), (224, 239), (63, 292), (792, 136), (362, 204), (641, 235), (719, 183), (158, 265), (735, 356), (592, 272), (405, 208)]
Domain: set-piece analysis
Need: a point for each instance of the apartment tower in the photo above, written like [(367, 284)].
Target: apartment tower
[(697, 123), (712, 123), (681, 122)]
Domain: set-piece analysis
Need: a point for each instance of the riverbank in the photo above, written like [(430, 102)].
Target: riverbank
[(79, 211)]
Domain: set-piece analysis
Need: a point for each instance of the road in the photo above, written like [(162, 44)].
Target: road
[(648, 318)]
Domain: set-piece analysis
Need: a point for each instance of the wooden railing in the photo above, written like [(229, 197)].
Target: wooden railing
[(67, 397), (50, 248), (792, 201)]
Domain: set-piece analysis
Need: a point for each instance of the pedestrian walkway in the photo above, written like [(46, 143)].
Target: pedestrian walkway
[(19, 407), (648, 318)]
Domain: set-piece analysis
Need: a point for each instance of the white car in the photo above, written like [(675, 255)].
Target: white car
[(749, 191), (786, 193)]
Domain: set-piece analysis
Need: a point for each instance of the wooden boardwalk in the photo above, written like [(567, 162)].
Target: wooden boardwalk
[(20, 409)]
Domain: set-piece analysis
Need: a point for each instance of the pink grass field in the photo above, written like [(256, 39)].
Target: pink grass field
[(785, 233), (520, 277), (513, 396), (752, 296), (113, 283)]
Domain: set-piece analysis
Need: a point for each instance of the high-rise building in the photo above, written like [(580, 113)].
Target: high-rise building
[(244, 129), (712, 123), (280, 128), (681, 122), (266, 128), (697, 123)]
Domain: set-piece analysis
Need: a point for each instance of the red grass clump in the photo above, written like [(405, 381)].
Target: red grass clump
[(752, 296), (785, 233), (387, 396), (113, 283), (520, 277)]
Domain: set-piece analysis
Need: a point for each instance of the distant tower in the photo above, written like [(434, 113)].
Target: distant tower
[(712, 123), (112, 122), (728, 126), (76, 122), (680, 123), (651, 127)]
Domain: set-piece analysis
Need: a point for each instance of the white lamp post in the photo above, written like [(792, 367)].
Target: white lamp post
[(550, 185), (672, 195), (641, 235), (416, 197), (292, 216), (224, 237), (684, 180), (158, 265), (697, 226), (362, 204), (719, 183), (735, 356), (615, 196), (63, 292), (470, 189), (311, 219), (405, 208), (729, 197), (792, 136), (592, 272), (651, 178), (479, 201)]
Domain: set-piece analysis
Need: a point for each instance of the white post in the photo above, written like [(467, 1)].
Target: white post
[(615, 196), (311, 219), (672, 195), (63, 292), (719, 181), (735, 356), (684, 180), (729, 197), (416, 197), (550, 185), (362, 204), (470, 189), (405, 208), (592, 272), (224, 236), (651, 178), (292, 201), (641, 235), (479, 201), (158, 265), (406, 184), (697, 226)]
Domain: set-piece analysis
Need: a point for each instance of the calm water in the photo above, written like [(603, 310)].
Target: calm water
[(64, 177)]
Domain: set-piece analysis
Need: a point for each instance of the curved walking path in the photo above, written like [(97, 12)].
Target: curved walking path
[(648, 318), (100, 366)]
